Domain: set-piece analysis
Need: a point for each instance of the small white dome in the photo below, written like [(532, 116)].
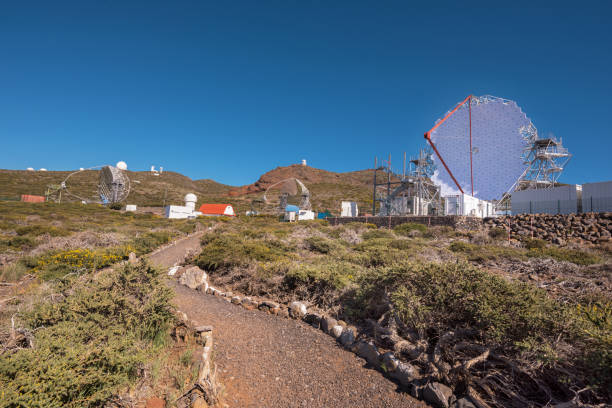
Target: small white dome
[(30, 169), (42, 169), (191, 198), (81, 169), (121, 165)]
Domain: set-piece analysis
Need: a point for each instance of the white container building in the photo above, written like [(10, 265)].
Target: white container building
[(597, 197), (306, 215), (465, 204), (349, 209), (555, 200)]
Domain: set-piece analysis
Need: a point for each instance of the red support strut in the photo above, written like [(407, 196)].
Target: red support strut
[(428, 137)]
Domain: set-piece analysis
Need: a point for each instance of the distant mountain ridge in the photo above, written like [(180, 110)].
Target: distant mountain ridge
[(327, 188)]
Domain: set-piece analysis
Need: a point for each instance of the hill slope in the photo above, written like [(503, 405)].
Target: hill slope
[(327, 188), (146, 188)]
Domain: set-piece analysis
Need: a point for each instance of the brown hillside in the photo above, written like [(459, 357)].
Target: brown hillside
[(146, 188), (308, 175), (327, 188)]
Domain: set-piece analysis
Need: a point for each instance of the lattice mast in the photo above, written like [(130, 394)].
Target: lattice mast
[(394, 190), (545, 159)]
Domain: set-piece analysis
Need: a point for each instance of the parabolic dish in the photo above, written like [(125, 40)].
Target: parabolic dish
[(499, 130)]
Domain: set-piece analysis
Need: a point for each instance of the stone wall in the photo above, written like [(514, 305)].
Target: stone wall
[(559, 229), (454, 221)]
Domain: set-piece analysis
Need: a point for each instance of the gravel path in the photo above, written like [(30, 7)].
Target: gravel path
[(268, 361)]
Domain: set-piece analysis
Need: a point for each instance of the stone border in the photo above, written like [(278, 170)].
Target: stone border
[(207, 385), (434, 393)]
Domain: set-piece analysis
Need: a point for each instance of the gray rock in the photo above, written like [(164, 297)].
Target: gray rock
[(202, 329), (347, 338), (193, 277), (336, 331), (132, 258), (203, 287), (270, 304), (249, 303), (437, 394), (313, 319), (389, 362), (327, 323), (236, 300), (369, 352), (464, 402), (405, 373), (297, 310)]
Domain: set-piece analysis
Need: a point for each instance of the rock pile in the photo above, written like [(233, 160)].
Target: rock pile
[(593, 228)]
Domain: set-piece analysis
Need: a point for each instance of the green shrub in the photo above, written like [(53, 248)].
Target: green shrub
[(564, 254), (229, 250), (319, 244), (38, 230), (409, 228), (377, 233), (498, 233), (482, 253), (90, 344), (596, 319), (21, 243), (149, 241), (454, 295), (534, 243), (327, 274)]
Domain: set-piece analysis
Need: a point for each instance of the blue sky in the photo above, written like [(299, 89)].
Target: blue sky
[(229, 90)]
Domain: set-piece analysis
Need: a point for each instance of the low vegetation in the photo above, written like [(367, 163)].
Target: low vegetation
[(531, 249), (70, 335), (428, 284), (89, 343)]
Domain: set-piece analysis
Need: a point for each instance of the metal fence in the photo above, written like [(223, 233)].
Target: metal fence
[(588, 204)]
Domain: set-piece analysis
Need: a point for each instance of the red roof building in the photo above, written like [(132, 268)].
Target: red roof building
[(217, 209)]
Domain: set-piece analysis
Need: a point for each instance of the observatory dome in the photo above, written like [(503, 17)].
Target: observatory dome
[(30, 169), (191, 198), (42, 169), (121, 165)]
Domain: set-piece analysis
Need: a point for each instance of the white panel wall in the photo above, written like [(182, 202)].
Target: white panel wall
[(178, 212), (556, 200), (597, 197)]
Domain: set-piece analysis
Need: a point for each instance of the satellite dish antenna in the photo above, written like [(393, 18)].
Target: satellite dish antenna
[(113, 185), (479, 147)]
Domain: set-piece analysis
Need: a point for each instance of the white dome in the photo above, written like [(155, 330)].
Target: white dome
[(30, 169), (42, 169), (121, 165), (191, 198)]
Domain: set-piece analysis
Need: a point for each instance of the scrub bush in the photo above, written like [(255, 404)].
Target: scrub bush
[(91, 343)]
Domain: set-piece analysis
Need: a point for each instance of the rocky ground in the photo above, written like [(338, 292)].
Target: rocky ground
[(560, 229)]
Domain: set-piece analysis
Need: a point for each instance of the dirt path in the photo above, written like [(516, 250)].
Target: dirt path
[(268, 361)]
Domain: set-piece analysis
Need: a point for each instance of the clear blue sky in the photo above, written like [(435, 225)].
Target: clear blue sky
[(229, 90)]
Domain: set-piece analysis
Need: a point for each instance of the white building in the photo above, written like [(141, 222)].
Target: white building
[(349, 209), (465, 204), (183, 211), (305, 215)]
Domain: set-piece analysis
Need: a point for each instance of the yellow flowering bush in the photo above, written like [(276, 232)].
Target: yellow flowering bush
[(57, 264)]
